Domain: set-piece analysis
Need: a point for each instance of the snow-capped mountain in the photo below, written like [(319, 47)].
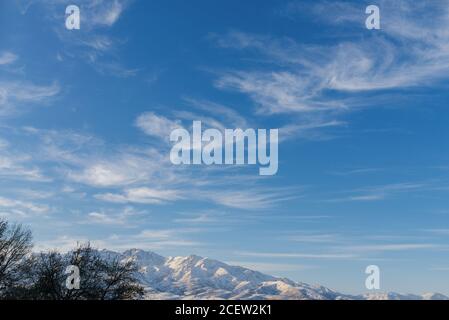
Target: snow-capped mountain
[(195, 277)]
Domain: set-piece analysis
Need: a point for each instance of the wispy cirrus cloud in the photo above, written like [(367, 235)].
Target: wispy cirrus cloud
[(314, 238), (358, 171), (106, 13), (381, 192), (126, 217), (271, 268), (17, 95), (103, 218), (319, 83), (392, 247), (12, 207), (95, 14), (226, 115), (156, 125), (345, 252), (249, 199), (211, 115), (142, 195), (7, 58), (19, 165), (122, 168), (16, 167), (412, 47), (146, 239), (202, 218), (138, 175), (92, 43), (338, 256), (441, 232)]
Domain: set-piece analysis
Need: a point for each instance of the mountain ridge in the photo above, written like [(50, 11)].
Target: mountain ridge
[(194, 277)]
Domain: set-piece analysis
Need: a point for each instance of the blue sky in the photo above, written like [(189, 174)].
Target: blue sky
[(85, 118)]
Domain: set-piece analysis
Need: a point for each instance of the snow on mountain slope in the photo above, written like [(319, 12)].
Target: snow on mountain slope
[(195, 277), (434, 296), (399, 296)]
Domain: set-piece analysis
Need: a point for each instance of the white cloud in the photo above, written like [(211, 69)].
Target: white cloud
[(100, 43), (92, 44), (356, 171), (271, 268), (95, 14), (338, 256), (230, 117), (28, 92), (146, 240), (392, 247), (157, 125), (308, 129), (3, 144), (62, 243), (103, 174), (321, 82), (444, 269), (104, 219), (23, 206), (15, 167), (7, 58), (374, 193), (113, 68), (34, 194), (157, 234), (106, 13), (372, 197), (14, 95), (203, 218), (142, 195), (142, 176), (411, 50), (277, 92), (101, 217), (126, 217), (248, 199), (314, 238), (121, 168), (442, 232)]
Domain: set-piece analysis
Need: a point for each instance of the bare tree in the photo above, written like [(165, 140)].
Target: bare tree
[(120, 281), (15, 245), (101, 278), (43, 276)]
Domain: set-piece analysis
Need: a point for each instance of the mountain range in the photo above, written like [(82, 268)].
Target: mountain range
[(194, 277)]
